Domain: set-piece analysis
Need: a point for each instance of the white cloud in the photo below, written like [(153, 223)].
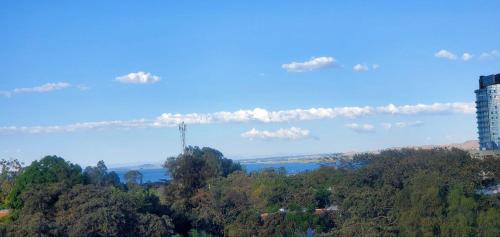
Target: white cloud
[(138, 78), (435, 108), (494, 54), (375, 66), (467, 56), (313, 64), (445, 54), (360, 67), (48, 87), (402, 124), (140, 123), (82, 87), (263, 115), (255, 115), (292, 133), (43, 88), (361, 128)]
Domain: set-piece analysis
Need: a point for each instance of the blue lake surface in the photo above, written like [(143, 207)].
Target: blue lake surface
[(158, 174)]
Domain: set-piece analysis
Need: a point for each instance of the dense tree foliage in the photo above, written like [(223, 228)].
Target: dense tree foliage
[(398, 192), (100, 176), (9, 170), (50, 169), (395, 193), (55, 198), (191, 172), (133, 177), (86, 210)]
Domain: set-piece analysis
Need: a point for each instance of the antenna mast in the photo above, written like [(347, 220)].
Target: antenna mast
[(182, 130)]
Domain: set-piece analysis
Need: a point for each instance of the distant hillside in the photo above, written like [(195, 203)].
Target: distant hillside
[(467, 145), (334, 157), (312, 158), (136, 167)]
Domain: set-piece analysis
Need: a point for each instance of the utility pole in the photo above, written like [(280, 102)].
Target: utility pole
[(182, 130)]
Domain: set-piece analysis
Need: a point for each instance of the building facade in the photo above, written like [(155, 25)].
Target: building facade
[(488, 112)]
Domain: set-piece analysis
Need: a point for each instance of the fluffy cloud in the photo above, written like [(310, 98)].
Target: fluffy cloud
[(364, 67), (292, 133), (48, 87), (402, 124), (313, 64), (494, 54), (361, 128), (255, 115), (360, 67), (263, 115), (435, 108), (138, 78), (445, 54), (467, 56)]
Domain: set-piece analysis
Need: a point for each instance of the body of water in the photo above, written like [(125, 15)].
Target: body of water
[(159, 174)]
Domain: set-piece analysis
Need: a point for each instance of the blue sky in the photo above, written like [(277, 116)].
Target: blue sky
[(72, 72)]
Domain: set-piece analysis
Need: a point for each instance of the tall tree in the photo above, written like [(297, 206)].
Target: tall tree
[(133, 177), (192, 169), (99, 175), (9, 170)]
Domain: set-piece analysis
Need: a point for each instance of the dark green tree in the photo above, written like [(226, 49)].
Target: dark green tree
[(461, 214), (99, 175), (192, 169), (133, 177), (489, 222), (50, 169)]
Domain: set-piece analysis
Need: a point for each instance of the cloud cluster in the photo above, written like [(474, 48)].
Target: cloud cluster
[(445, 54), (494, 54), (313, 64), (360, 67), (361, 128), (119, 124), (48, 87), (363, 67), (370, 128), (402, 124), (138, 78), (256, 115), (263, 115), (451, 56), (467, 56), (292, 133)]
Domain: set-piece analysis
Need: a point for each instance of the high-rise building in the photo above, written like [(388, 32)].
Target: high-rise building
[(487, 110)]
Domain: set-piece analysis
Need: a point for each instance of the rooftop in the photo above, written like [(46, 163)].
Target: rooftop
[(485, 81)]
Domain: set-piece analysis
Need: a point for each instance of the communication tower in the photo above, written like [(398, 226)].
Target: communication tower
[(182, 130)]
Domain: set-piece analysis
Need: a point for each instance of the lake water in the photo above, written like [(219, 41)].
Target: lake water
[(154, 175)]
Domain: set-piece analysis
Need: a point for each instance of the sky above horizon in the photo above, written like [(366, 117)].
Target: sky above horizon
[(110, 80)]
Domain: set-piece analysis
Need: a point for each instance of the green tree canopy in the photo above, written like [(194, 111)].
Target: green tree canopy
[(99, 175), (50, 169), (133, 177), (192, 169), (9, 170)]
